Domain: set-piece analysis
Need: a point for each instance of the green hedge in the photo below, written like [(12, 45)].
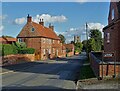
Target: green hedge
[(7, 49), (26, 51)]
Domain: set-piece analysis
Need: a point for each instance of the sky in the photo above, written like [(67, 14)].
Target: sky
[(68, 18)]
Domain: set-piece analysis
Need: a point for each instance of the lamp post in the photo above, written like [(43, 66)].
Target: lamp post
[(86, 38)]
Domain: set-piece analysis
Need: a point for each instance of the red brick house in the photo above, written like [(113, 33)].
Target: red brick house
[(69, 49), (43, 39), (112, 30), (4, 40)]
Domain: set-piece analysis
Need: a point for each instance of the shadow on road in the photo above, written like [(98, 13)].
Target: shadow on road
[(63, 70)]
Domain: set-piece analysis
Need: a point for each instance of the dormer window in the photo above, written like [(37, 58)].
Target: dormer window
[(113, 14), (32, 29)]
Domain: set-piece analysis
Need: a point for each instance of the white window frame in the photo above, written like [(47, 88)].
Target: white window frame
[(108, 37), (113, 14), (19, 40)]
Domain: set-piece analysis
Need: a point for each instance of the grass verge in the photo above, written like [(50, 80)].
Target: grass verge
[(86, 72)]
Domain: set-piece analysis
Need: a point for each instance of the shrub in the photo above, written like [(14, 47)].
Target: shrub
[(26, 51), (7, 49)]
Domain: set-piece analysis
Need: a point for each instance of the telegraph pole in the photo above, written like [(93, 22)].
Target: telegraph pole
[(86, 38)]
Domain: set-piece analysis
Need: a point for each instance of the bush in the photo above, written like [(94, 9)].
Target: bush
[(7, 49), (78, 47), (26, 51)]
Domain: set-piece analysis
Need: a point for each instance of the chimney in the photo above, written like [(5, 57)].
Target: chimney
[(41, 22), (51, 27), (29, 18)]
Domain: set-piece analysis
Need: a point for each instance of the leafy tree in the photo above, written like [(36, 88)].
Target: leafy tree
[(84, 44), (78, 47), (91, 45), (62, 38), (97, 36)]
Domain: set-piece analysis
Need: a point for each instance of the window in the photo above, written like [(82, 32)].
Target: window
[(113, 14), (108, 37), (58, 41), (53, 50), (33, 29), (44, 51), (49, 51), (19, 40), (53, 41)]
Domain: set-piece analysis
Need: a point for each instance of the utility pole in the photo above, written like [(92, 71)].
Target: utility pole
[(86, 38)]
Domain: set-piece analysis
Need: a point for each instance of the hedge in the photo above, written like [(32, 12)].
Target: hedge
[(7, 49), (26, 51)]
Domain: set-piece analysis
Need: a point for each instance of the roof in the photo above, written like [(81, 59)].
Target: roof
[(39, 31), (7, 39), (69, 46)]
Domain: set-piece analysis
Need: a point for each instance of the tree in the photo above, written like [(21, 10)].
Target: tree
[(78, 47), (91, 45), (97, 36), (84, 45), (62, 38)]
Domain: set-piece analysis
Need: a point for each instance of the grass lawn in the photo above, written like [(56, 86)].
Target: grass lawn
[(86, 72)]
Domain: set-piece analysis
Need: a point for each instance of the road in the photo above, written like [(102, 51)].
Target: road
[(51, 74)]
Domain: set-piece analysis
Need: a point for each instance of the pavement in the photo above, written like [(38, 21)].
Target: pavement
[(60, 73), (99, 85)]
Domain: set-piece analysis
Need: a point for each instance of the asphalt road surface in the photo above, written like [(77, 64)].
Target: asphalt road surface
[(60, 73)]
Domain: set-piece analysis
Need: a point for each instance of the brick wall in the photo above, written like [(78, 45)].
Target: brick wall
[(70, 53), (108, 68), (15, 59)]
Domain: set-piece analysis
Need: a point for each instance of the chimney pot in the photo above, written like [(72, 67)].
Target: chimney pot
[(41, 22), (29, 18)]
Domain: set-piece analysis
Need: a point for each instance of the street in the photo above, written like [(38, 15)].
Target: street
[(60, 73)]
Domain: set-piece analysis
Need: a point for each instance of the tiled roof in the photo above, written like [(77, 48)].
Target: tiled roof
[(7, 39), (69, 46), (39, 31)]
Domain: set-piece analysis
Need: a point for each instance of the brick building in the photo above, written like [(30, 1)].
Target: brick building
[(43, 39), (69, 49), (112, 30)]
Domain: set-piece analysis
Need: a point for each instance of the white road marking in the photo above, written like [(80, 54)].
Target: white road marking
[(6, 72)]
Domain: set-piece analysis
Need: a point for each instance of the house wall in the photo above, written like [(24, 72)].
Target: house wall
[(113, 28)]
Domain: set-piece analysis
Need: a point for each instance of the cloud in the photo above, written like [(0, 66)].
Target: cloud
[(98, 26), (49, 18), (19, 20), (1, 28), (81, 1), (81, 31), (2, 17)]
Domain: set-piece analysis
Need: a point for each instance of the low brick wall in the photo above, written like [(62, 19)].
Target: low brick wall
[(70, 54), (94, 64), (15, 59), (108, 67)]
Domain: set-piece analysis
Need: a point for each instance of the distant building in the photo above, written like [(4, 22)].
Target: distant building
[(69, 49), (43, 39), (76, 39), (5, 40), (112, 30)]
